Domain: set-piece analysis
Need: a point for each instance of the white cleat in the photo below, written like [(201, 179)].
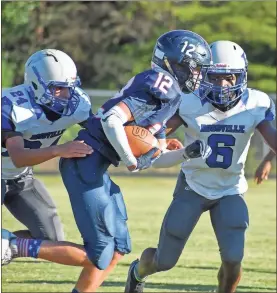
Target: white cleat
[(9, 248)]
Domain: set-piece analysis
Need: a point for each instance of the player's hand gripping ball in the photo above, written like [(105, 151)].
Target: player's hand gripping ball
[(141, 140)]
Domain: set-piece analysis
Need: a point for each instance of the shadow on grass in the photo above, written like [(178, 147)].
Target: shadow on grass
[(216, 269), (158, 286), (213, 268), (31, 261)]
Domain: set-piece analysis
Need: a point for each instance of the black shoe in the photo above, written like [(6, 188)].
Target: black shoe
[(132, 285)]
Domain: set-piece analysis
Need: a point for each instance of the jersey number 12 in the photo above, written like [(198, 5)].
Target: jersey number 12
[(163, 83)]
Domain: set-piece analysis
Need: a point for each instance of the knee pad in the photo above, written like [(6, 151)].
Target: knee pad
[(231, 266), (100, 257), (232, 256)]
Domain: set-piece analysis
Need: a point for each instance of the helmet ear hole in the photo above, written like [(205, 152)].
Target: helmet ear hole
[(34, 85)]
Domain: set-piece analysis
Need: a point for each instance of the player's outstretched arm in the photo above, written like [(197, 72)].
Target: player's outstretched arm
[(264, 168), (170, 158), (29, 157), (173, 144)]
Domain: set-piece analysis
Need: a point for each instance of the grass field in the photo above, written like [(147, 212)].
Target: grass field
[(147, 200)]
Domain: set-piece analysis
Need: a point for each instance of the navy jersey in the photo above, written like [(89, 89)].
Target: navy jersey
[(152, 96)]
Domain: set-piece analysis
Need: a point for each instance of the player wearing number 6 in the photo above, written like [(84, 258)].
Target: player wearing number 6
[(226, 116)]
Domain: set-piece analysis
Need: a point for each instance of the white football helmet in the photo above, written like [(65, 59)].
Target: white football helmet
[(50, 68), (228, 58)]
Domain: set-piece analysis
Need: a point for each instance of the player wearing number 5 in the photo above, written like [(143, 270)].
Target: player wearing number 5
[(226, 117), (34, 116)]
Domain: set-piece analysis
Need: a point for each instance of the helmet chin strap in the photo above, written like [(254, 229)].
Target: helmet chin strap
[(169, 68), (223, 108)]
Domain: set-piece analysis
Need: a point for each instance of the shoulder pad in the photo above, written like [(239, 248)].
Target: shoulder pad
[(18, 103), (83, 95), (161, 85), (84, 108), (17, 95), (260, 104), (190, 104), (257, 99)]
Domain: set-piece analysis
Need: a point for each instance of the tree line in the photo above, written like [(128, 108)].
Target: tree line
[(112, 41)]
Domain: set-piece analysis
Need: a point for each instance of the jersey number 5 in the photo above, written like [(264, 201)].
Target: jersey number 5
[(163, 83), (221, 156)]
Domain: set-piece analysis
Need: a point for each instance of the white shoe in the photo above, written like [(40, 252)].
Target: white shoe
[(9, 248)]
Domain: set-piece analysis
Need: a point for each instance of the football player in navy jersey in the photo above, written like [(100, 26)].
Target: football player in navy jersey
[(34, 116), (150, 99)]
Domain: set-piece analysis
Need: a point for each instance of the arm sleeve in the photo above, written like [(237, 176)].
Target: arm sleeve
[(169, 159), (112, 123)]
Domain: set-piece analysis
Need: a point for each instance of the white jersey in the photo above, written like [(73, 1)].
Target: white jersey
[(21, 113), (228, 134)]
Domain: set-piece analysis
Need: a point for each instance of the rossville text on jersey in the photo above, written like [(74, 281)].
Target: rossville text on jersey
[(47, 134), (222, 128)]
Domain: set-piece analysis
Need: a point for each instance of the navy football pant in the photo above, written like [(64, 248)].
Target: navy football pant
[(229, 217), (98, 207)]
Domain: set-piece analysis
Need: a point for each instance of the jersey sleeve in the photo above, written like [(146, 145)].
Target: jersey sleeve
[(84, 123), (149, 89), (8, 126), (161, 85), (6, 114), (267, 112), (5, 134), (138, 104)]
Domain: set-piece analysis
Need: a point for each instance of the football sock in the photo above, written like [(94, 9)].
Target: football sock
[(75, 291), (136, 274), (28, 247)]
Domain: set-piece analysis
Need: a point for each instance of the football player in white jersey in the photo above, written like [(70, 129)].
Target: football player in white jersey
[(34, 116), (226, 120)]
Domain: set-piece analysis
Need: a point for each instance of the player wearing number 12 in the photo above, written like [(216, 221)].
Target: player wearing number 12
[(148, 100), (226, 116)]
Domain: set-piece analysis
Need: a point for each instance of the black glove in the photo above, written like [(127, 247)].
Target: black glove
[(146, 160), (197, 149)]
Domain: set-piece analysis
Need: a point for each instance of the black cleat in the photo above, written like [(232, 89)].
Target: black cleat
[(132, 285)]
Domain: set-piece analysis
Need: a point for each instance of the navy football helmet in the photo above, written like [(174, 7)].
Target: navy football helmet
[(185, 55)]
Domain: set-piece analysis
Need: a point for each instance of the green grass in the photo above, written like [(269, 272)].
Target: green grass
[(147, 200)]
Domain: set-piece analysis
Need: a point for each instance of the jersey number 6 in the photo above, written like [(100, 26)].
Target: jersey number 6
[(163, 83), (221, 156)]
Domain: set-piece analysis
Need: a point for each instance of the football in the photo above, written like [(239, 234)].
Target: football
[(141, 140)]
